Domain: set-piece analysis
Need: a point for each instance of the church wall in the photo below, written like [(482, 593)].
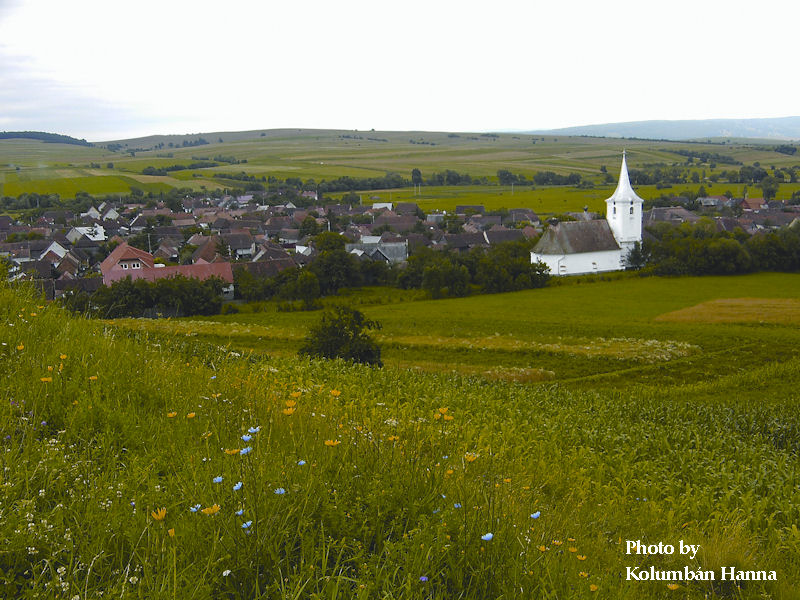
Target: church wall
[(581, 263)]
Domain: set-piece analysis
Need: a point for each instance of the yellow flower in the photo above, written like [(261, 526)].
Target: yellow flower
[(593, 588), (33, 314), (291, 403), (581, 557), (206, 435), (507, 480), (93, 378), (21, 347), (449, 471), (211, 510), (448, 417), (45, 379), (232, 451), (289, 411), (49, 367), (557, 542), (335, 393), (443, 410), (191, 415), (295, 394), (172, 414), (542, 548), (63, 357), (526, 487), (673, 586), (392, 438), (437, 416), (159, 514), (470, 456), (332, 442), (583, 574), (573, 549), (171, 532)]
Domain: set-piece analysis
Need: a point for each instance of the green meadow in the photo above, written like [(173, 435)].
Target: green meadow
[(202, 459), (32, 166)]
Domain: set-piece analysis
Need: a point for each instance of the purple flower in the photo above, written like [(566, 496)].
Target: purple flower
[(423, 579), (247, 525), (487, 537)]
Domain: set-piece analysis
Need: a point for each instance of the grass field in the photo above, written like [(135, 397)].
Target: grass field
[(32, 166), (159, 460)]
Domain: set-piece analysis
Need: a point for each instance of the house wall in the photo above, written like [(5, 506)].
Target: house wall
[(581, 263)]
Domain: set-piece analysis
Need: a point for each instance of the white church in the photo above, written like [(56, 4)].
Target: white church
[(578, 247)]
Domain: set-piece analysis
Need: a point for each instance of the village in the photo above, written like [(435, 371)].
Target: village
[(64, 252)]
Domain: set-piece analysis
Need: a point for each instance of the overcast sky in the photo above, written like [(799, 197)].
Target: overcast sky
[(102, 69)]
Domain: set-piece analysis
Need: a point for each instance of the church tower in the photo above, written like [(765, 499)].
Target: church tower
[(624, 211)]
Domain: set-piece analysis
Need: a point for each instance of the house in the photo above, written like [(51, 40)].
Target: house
[(595, 246)]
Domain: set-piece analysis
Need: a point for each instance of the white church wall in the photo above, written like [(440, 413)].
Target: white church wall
[(581, 263)]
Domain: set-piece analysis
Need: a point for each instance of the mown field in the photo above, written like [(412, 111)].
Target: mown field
[(33, 166), (150, 462)]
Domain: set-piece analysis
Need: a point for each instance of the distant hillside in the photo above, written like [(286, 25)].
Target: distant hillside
[(50, 138), (784, 128)]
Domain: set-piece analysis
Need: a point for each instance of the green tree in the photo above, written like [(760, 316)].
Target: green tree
[(341, 333), (769, 186)]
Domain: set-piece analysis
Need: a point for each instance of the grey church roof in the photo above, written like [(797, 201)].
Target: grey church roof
[(574, 237)]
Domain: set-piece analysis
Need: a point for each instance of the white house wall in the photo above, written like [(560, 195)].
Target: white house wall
[(581, 263)]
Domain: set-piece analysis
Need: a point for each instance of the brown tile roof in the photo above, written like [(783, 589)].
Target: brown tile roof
[(575, 237)]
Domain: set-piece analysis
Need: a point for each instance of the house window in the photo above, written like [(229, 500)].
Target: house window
[(631, 209), (136, 265), (562, 269), (615, 210), (594, 266), (124, 266)]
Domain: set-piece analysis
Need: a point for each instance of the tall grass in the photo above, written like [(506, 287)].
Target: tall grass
[(126, 473)]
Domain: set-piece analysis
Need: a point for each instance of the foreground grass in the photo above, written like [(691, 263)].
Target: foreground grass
[(122, 456)]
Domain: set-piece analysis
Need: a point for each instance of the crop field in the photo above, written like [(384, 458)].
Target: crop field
[(32, 166), (162, 459)]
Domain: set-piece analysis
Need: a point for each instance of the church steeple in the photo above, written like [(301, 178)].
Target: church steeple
[(624, 210)]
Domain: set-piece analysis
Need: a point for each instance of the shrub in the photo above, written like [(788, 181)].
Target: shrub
[(341, 334)]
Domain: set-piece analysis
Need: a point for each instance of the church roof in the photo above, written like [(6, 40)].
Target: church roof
[(624, 191), (574, 237)]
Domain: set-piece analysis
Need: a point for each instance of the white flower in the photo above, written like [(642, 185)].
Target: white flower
[(226, 572)]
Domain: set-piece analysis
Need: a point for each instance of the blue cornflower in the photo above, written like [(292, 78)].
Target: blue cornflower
[(457, 505), (487, 537), (423, 579), (213, 377), (436, 510), (536, 515), (245, 451), (237, 487), (254, 429), (217, 479), (240, 512), (280, 491), (194, 508), (247, 438), (300, 463), (246, 525)]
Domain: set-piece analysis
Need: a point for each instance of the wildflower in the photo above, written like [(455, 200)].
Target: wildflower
[(49, 367), (290, 404), (300, 463), (332, 442), (295, 394), (213, 377), (93, 378), (457, 505), (246, 438), (237, 487), (211, 510), (63, 357), (232, 451), (449, 472), (581, 557), (542, 548), (423, 579), (280, 491), (217, 479), (557, 542), (443, 410), (247, 525), (159, 514), (536, 515), (239, 512), (191, 415), (171, 532), (206, 435), (583, 574), (448, 417), (45, 379), (226, 572), (470, 456), (487, 537), (172, 414), (393, 438), (593, 588), (244, 451), (288, 411), (673, 586), (573, 549), (194, 508), (21, 347), (254, 429), (335, 393), (507, 480)]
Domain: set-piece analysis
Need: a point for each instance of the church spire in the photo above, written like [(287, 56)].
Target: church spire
[(624, 191)]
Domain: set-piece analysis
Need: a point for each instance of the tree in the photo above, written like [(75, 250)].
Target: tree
[(769, 186), (416, 177), (341, 333)]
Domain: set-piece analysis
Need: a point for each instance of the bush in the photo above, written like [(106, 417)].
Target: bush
[(341, 334)]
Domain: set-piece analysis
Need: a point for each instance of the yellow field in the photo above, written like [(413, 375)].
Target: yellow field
[(738, 310)]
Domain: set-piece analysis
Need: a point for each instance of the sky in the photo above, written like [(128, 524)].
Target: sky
[(103, 70)]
